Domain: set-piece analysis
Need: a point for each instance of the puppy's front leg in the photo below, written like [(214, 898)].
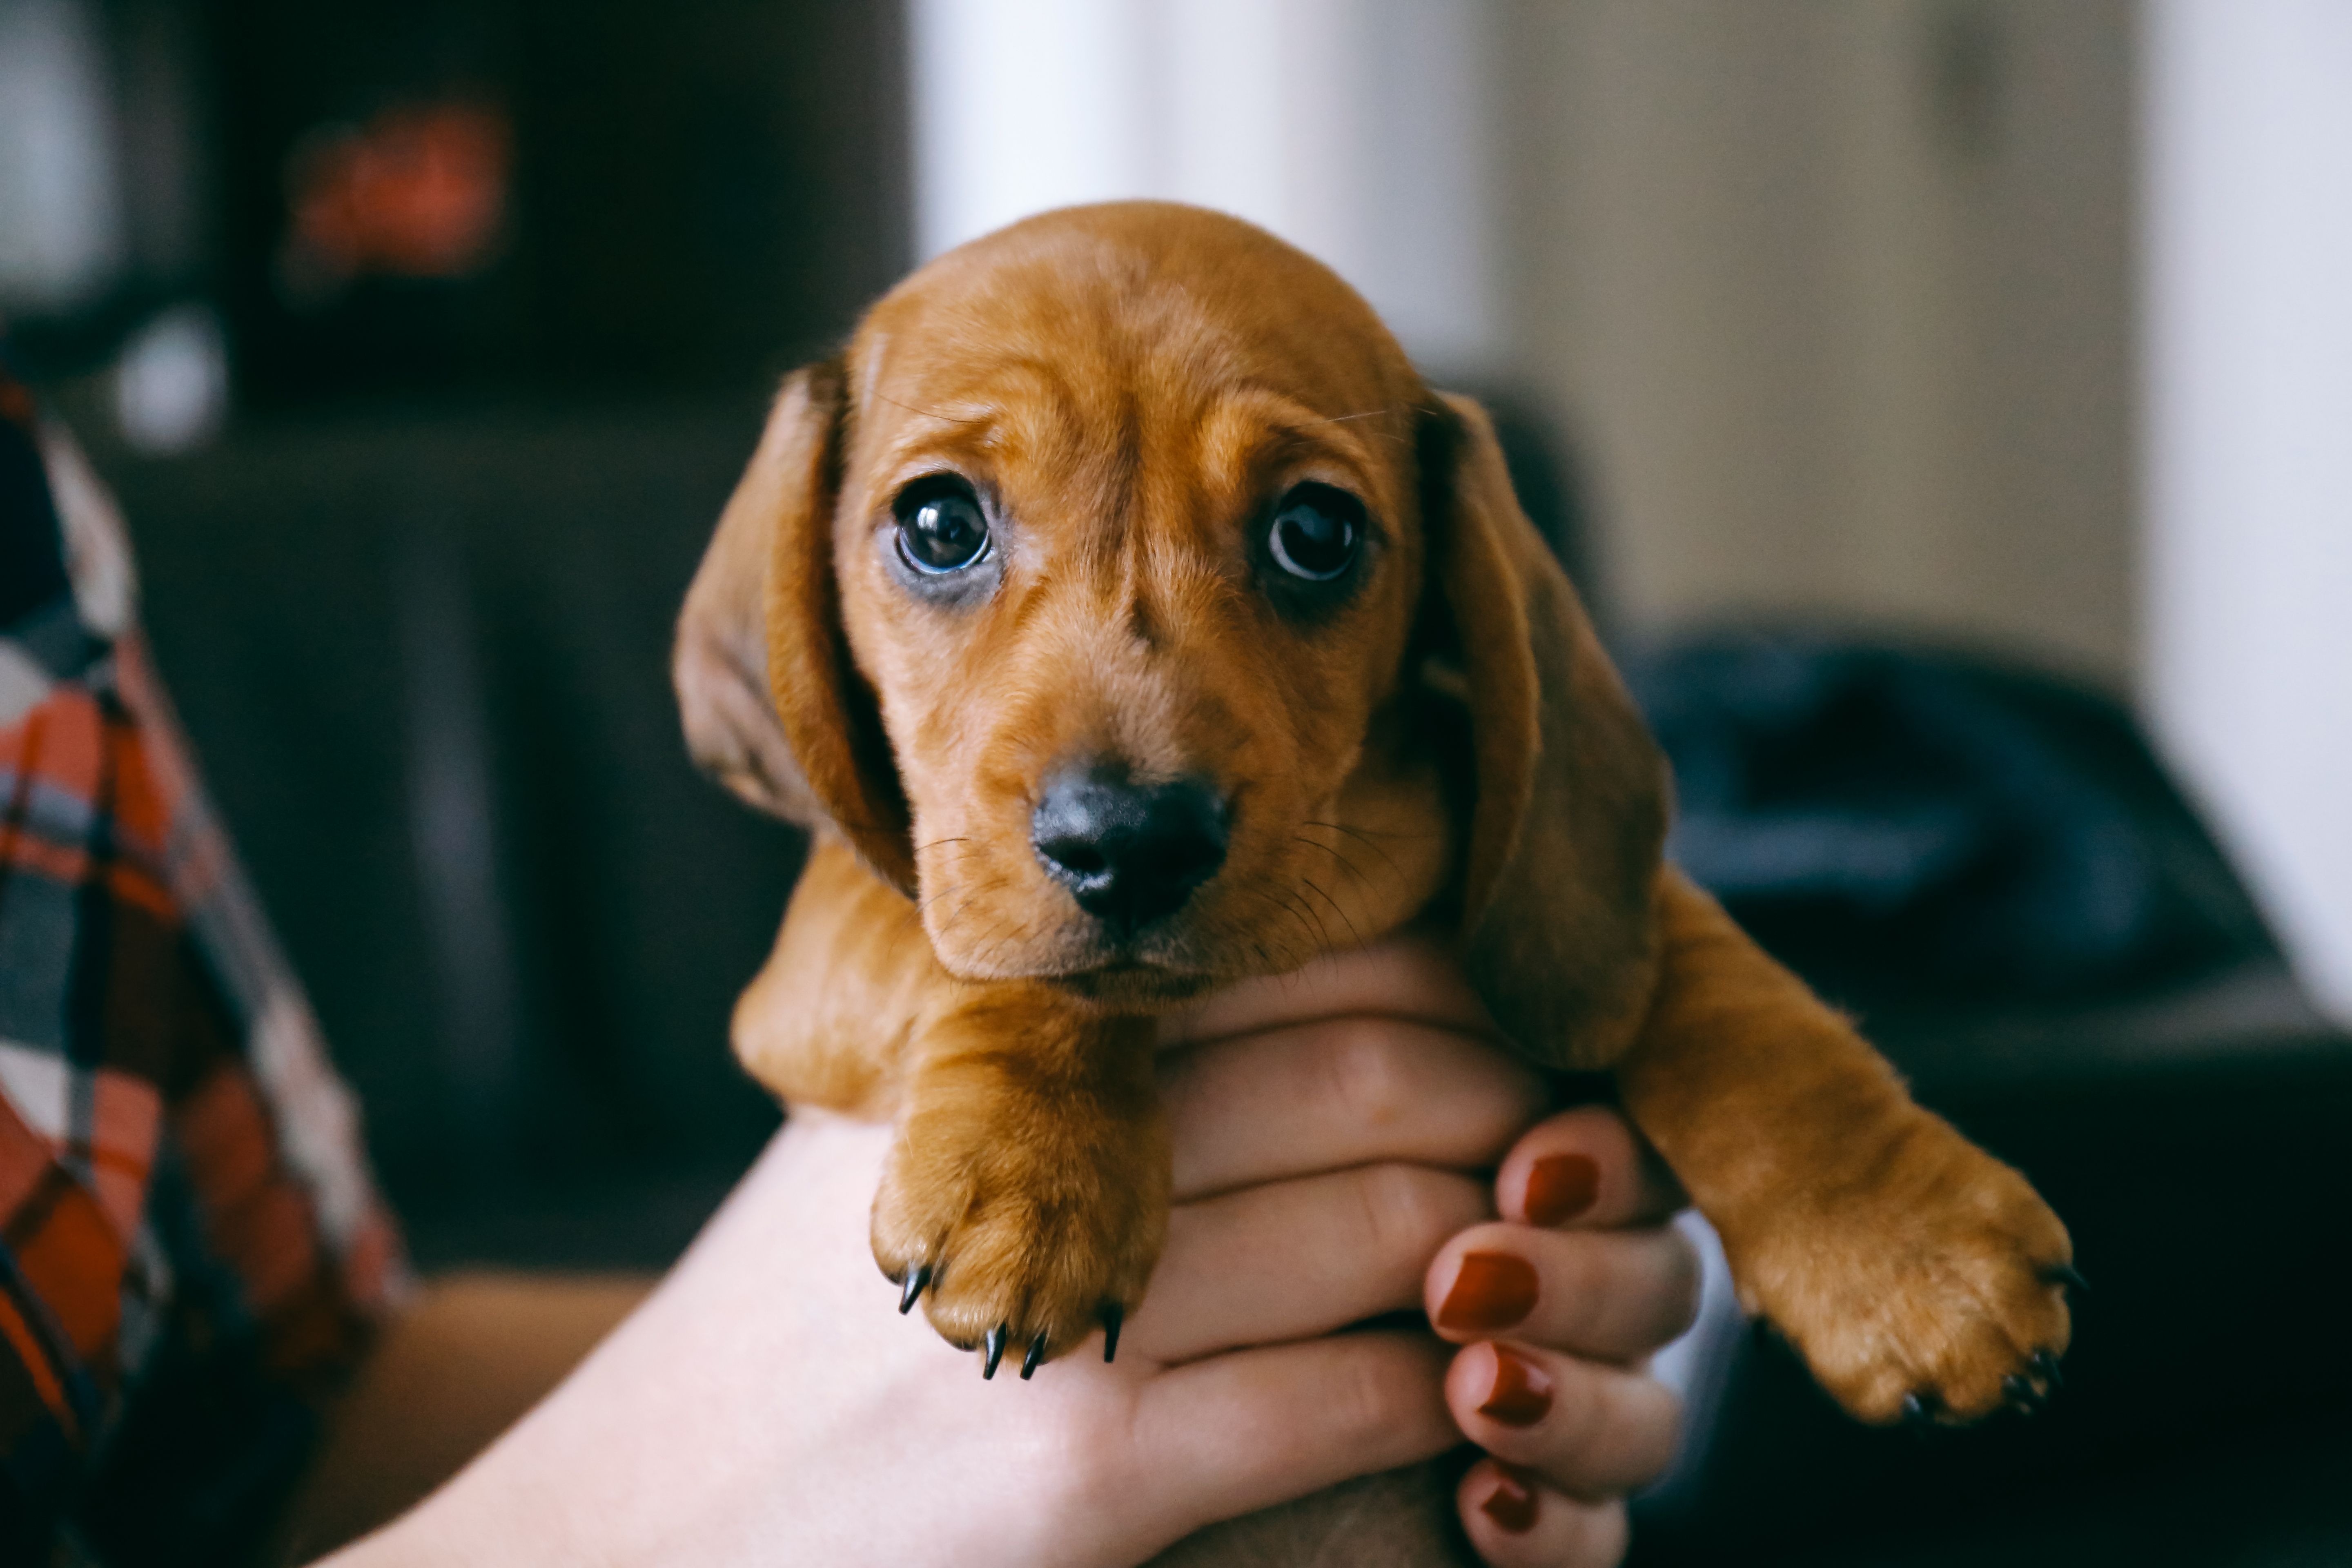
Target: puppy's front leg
[(1026, 1198), (1916, 1273)]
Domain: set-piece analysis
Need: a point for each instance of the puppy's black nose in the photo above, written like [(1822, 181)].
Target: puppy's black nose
[(1130, 853)]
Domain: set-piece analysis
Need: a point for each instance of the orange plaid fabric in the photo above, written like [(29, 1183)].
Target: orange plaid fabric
[(190, 1246)]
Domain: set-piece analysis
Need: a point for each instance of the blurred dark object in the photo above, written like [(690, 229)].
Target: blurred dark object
[(2191, 1137), (1913, 827), (418, 192), (1991, 866), (512, 195), (1549, 481), (506, 286), (424, 663), (399, 197)]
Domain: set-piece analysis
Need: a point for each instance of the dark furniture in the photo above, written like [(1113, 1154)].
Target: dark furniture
[(2194, 1140)]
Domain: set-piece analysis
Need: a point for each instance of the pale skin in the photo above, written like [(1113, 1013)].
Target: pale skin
[(1343, 1137)]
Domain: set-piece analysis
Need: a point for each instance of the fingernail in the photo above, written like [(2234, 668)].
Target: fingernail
[(1494, 1291), (1560, 1187), (1521, 1395), (1512, 1503)]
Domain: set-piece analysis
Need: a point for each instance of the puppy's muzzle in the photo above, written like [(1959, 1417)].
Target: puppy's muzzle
[(1131, 854)]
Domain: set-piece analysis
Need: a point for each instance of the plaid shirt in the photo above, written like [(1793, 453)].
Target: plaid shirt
[(190, 1246)]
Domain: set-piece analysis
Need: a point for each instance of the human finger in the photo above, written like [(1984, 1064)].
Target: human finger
[(1406, 975), (1337, 1092), (1615, 1294), (1240, 1432), (1586, 1167), (1589, 1429), (1514, 1520), (1293, 1258)]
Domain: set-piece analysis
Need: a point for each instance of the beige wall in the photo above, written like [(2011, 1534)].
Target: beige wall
[(1835, 296)]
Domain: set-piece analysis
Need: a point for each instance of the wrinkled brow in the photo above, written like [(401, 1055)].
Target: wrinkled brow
[(1251, 429), (1023, 408)]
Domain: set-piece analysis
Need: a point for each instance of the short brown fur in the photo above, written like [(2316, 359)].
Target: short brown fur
[(1130, 386)]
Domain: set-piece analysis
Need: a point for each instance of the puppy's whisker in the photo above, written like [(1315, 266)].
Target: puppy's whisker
[(1310, 924), (1347, 419), (955, 856), (1287, 907), (966, 889), (984, 951), (932, 413), (1323, 930), (1352, 932), (956, 848), (977, 893), (1020, 934), (1367, 834), (1370, 844), (1347, 865)]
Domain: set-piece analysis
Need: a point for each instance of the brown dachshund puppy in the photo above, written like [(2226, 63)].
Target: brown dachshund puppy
[(1126, 616)]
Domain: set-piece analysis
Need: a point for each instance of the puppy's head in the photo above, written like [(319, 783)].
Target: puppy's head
[(1083, 589)]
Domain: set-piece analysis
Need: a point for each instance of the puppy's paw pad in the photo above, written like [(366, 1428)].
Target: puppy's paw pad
[(1025, 1260), (1935, 1297)]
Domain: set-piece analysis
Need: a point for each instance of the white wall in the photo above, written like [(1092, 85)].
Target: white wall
[(1352, 128), (1836, 297), (2249, 419)]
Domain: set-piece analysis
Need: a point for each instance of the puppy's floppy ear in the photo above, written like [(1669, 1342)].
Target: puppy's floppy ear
[(773, 707), (1568, 812)]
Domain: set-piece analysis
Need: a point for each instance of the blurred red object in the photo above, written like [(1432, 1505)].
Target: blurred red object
[(419, 192)]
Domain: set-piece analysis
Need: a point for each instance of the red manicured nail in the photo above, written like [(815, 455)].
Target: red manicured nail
[(1560, 1187), (1494, 1291), (1521, 1395), (1512, 1503)]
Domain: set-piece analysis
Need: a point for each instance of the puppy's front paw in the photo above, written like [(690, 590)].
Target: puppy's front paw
[(1929, 1285), (1029, 1231)]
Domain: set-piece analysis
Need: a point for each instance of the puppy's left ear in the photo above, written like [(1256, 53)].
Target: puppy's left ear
[(1559, 924)]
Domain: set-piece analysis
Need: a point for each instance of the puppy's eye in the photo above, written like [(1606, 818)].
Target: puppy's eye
[(1316, 531), (941, 525)]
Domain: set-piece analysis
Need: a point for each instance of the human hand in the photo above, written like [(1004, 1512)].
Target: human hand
[(1558, 1305), (1570, 1292), (764, 1404)]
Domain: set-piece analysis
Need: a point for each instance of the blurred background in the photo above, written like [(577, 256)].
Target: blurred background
[(1946, 405)]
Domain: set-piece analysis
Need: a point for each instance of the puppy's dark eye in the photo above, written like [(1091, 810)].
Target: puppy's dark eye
[(1316, 531), (941, 525)]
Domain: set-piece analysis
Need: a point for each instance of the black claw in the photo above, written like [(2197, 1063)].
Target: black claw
[(1036, 1354), (2066, 1274), (917, 1278), (1113, 1315), (994, 1344), (2045, 1366), (2026, 1396), (1919, 1412)]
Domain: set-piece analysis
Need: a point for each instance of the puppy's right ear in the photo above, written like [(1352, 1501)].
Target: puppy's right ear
[(1559, 927), (773, 707)]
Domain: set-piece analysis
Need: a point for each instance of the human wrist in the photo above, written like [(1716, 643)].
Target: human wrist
[(468, 1523)]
